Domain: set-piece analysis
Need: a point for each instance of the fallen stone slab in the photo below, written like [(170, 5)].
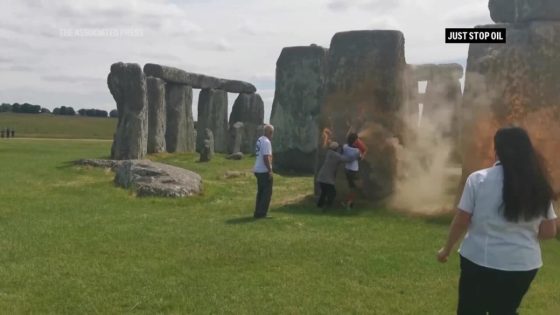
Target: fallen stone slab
[(197, 81), (150, 178), (157, 179)]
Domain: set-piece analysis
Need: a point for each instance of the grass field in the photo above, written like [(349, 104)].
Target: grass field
[(72, 243), (63, 127)]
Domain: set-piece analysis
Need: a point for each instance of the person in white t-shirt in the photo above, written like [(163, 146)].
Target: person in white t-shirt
[(263, 172), (504, 210)]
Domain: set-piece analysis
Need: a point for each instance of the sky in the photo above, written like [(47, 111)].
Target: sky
[(59, 52)]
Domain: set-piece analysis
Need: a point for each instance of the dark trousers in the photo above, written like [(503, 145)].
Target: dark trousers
[(264, 193), (484, 290), (328, 193)]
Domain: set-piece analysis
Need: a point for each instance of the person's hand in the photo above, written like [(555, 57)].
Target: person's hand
[(270, 174), (442, 255)]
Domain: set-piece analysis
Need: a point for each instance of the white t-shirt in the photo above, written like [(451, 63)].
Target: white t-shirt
[(353, 153), (262, 148), (491, 240)]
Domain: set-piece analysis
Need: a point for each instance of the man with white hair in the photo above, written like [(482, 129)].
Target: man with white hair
[(263, 172)]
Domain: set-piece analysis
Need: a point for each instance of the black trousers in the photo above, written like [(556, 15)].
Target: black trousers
[(328, 193), (484, 290), (264, 194)]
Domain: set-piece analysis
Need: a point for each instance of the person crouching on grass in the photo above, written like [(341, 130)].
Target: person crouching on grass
[(326, 177), (505, 210), (353, 147)]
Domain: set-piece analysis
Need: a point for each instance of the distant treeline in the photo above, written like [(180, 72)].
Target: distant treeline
[(27, 108)]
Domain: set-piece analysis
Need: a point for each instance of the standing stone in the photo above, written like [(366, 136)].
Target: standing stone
[(127, 84), (191, 131), (248, 109), (178, 98), (157, 120), (514, 83), (365, 93), (520, 11), (236, 137), (212, 114), (207, 150), (300, 77)]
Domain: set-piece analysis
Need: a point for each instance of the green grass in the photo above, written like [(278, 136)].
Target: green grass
[(72, 243), (62, 127)]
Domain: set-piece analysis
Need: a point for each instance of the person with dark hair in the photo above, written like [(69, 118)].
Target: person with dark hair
[(350, 150), (506, 210), (326, 177)]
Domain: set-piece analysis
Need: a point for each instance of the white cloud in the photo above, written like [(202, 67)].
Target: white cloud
[(468, 16), (377, 6), (231, 39), (384, 23)]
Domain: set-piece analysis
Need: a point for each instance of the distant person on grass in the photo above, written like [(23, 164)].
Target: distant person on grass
[(263, 172), (506, 210), (353, 147), (326, 177)]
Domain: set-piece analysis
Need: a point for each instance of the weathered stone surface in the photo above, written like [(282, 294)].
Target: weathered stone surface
[(157, 116), (248, 109), (157, 179), (300, 78), (518, 11), (365, 93), (514, 83), (236, 137), (127, 84), (213, 114), (180, 126), (207, 150), (197, 81)]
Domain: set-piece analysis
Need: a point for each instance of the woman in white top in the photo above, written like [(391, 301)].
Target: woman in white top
[(504, 210)]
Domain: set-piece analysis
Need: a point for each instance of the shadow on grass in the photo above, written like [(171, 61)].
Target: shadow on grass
[(292, 174), (307, 206)]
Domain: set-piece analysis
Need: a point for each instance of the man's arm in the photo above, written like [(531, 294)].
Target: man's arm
[(268, 163), (267, 157)]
